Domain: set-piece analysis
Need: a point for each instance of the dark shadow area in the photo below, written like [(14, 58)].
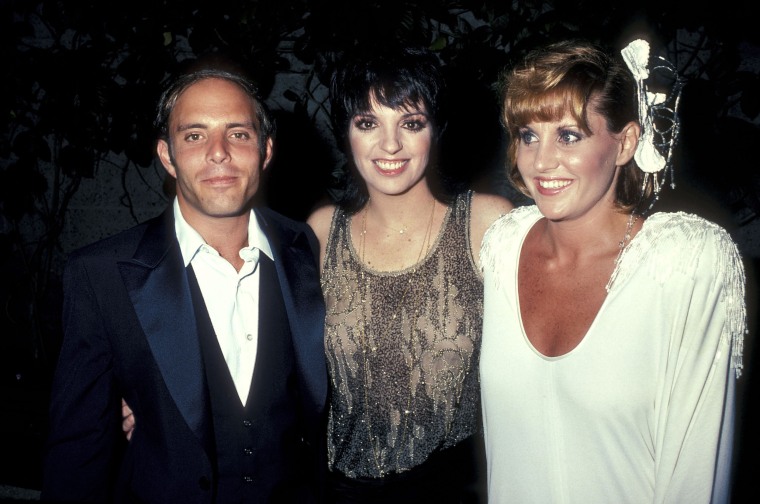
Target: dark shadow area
[(299, 174), (22, 426), (25, 375), (471, 152)]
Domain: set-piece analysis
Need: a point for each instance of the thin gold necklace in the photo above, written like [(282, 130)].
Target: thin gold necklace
[(627, 236), (403, 230), (364, 337), (622, 246)]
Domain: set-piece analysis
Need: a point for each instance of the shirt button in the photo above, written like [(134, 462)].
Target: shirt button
[(247, 451), (246, 423), (249, 337)]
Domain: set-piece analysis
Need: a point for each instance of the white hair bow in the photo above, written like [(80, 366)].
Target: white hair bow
[(658, 115), (636, 56)]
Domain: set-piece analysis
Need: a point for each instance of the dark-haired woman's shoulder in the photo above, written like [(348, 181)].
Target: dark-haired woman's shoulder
[(320, 221)]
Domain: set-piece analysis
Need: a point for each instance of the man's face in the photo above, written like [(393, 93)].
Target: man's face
[(214, 153)]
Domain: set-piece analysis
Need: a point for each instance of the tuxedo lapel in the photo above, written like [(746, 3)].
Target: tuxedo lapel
[(296, 271), (156, 280), (274, 343)]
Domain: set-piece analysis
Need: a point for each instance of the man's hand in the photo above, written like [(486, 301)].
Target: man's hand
[(127, 420)]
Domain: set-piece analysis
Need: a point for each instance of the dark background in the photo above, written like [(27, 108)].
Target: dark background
[(80, 80)]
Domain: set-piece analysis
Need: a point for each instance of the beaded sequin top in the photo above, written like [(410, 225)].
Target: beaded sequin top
[(404, 375)]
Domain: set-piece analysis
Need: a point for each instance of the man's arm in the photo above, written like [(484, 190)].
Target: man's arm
[(85, 415)]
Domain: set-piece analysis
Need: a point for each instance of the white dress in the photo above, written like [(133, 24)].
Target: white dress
[(637, 412)]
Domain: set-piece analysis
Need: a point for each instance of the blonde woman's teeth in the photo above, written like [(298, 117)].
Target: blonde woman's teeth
[(554, 184)]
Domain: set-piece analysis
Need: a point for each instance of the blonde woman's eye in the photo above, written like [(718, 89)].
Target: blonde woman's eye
[(569, 137), (527, 137)]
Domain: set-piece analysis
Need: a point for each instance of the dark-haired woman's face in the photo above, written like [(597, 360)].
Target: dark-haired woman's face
[(391, 147)]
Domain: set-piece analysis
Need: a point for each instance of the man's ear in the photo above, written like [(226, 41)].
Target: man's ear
[(164, 155), (629, 140), (268, 151)]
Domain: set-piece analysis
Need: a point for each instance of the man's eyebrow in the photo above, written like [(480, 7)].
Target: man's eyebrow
[(246, 124), (185, 127)]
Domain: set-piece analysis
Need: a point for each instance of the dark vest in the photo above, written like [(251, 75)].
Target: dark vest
[(257, 447)]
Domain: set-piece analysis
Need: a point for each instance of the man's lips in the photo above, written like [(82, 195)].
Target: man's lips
[(221, 180)]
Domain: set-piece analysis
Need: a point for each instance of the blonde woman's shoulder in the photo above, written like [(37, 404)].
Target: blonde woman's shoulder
[(485, 209)]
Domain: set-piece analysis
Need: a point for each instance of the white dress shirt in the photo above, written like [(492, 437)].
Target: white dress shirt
[(231, 297)]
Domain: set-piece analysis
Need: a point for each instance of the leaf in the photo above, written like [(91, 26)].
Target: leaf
[(438, 44)]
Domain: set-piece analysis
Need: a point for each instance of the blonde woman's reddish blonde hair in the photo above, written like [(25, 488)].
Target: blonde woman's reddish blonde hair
[(570, 77)]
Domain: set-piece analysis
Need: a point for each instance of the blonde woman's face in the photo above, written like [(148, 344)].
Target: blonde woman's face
[(568, 172)]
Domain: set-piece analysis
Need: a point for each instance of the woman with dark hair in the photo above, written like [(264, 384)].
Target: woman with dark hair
[(400, 275), (611, 338)]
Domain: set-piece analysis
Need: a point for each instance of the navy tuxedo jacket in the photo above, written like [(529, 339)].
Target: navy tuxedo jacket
[(130, 332)]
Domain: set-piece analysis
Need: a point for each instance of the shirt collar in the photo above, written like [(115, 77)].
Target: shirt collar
[(190, 241)]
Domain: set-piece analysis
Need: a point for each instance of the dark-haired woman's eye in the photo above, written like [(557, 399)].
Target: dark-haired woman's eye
[(364, 123), (415, 124)]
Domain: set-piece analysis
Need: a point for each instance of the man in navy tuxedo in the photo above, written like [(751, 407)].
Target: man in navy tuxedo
[(207, 320)]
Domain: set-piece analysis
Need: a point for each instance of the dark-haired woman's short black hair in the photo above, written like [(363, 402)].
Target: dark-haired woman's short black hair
[(396, 77)]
